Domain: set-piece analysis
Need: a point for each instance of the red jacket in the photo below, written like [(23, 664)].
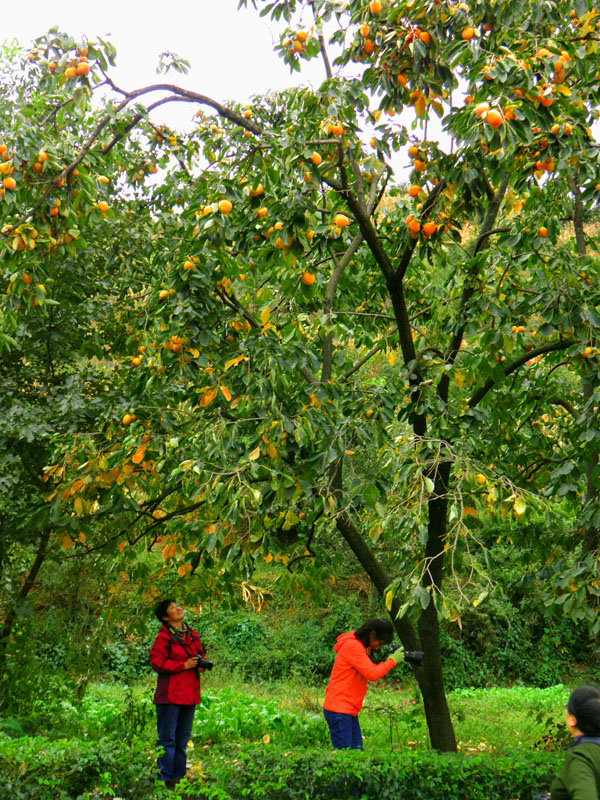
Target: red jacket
[(352, 669), (175, 683)]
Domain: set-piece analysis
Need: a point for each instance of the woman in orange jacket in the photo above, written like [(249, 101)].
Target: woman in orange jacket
[(352, 669)]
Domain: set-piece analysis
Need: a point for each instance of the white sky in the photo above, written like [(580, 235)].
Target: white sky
[(230, 51)]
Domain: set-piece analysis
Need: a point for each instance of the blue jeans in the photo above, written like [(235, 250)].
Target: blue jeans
[(344, 730), (174, 728)]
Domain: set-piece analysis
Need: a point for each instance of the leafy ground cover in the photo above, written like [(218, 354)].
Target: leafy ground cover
[(269, 741)]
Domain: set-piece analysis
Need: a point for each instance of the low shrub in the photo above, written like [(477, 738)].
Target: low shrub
[(126, 660), (242, 641), (502, 642), (41, 769), (262, 774), (69, 769)]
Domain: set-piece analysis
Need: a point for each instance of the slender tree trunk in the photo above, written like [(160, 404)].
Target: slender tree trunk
[(431, 684), (439, 722), (27, 586)]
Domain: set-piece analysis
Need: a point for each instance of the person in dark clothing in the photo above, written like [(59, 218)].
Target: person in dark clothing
[(174, 657), (579, 777)]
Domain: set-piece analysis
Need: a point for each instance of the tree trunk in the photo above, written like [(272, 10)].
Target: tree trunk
[(431, 682), (429, 677), (27, 586)]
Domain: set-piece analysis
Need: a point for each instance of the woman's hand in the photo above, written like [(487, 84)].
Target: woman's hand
[(191, 663)]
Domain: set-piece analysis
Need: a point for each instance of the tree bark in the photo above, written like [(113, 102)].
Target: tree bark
[(27, 586), (439, 722)]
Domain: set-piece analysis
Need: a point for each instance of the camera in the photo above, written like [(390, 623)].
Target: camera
[(202, 663), (410, 656)]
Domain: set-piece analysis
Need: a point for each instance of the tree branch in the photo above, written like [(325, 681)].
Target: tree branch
[(321, 38), (561, 344)]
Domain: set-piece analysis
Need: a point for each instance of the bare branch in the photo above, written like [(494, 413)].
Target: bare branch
[(324, 55)]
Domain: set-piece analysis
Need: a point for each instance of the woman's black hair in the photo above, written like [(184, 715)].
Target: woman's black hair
[(382, 628), (584, 705), (161, 609)]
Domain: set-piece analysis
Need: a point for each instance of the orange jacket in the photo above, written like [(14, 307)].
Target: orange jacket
[(352, 669)]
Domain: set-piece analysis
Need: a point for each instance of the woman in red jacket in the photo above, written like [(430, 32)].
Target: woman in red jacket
[(174, 656), (352, 669)]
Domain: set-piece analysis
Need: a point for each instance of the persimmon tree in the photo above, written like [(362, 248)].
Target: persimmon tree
[(314, 349), (62, 280)]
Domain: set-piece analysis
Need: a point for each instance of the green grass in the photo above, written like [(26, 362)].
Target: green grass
[(287, 714), (494, 720)]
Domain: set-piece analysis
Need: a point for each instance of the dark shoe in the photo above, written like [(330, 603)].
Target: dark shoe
[(170, 784)]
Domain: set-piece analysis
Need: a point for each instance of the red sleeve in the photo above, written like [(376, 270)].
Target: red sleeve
[(356, 655), (159, 656)]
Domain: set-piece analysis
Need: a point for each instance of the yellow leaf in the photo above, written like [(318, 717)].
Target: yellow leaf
[(564, 90), (78, 506), (208, 397), (520, 507), (138, 456), (266, 738), (459, 378), (168, 551), (470, 512), (158, 513), (65, 541), (272, 452), (389, 599), (268, 558), (392, 358), (421, 106), (254, 454), (225, 392), (233, 362), (264, 315)]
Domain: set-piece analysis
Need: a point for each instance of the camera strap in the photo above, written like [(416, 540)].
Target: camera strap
[(180, 637)]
